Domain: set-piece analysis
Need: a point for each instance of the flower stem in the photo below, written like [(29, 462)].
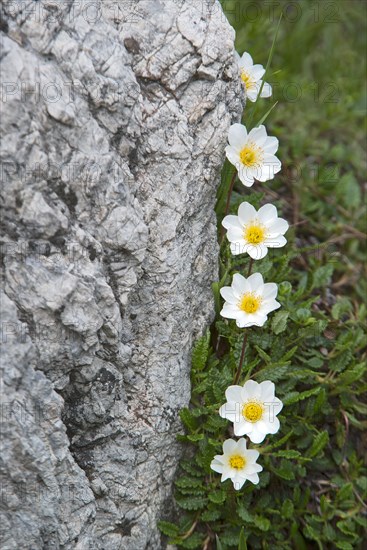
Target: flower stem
[(245, 337), (228, 203)]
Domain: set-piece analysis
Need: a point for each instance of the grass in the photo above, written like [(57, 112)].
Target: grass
[(313, 488)]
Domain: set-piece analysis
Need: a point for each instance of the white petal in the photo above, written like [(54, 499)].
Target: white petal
[(252, 456), (233, 394), (278, 226), (242, 428), (254, 478), (256, 282), (216, 465), (257, 71), (229, 312), (268, 427), (238, 482), (271, 145), (245, 320), (231, 221), (227, 293), (259, 319), (268, 214), (269, 306), (258, 135), (276, 242), (246, 213), (237, 136), (270, 291), (242, 446), (234, 234), (256, 436), (269, 168), (257, 251), (238, 247), (233, 156), (267, 390), (267, 90), (251, 469), (229, 411), (251, 94), (250, 390), (273, 427), (227, 474), (245, 176), (246, 60), (229, 446), (276, 406), (240, 285)]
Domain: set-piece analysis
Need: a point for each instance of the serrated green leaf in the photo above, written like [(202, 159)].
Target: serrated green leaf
[(168, 529), (279, 321), (287, 454), (295, 397), (200, 352), (217, 497), (320, 441), (194, 503)]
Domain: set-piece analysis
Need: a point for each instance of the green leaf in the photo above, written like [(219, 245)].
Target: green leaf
[(168, 529), (218, 497), (287, 509), (193, 503), (295, 396), (189, 421), (288, 454), (320, 441), (186, 481), (263, 118), (263, 354), (193, 542), (322, 276), (279, 322), (200, 352), (211, 515), (242, 545), (219, 544), (352, 375), (262, 523)]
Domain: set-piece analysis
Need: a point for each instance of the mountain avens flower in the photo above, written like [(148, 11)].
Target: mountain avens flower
[(237, 463), (253, 154), (249, 301), (254, 231), (251, 76), (253, 409)]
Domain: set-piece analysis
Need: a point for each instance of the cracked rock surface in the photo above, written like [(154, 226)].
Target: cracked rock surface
[(114, 120)]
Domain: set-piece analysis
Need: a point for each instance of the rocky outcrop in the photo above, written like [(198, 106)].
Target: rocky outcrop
[(114, 121)]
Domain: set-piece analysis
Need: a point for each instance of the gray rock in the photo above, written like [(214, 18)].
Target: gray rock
[(115, 118)]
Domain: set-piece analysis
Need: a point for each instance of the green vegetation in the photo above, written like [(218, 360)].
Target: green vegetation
[(312, 491)]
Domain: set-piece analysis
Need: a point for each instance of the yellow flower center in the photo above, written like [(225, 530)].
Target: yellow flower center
[(248, 81), (252, 411), (250, 303), (255, 234), (251, 155), (237, 462)]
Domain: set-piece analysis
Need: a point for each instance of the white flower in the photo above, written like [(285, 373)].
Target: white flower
[(252, 409), (254, 232), (251, 77), (249, 301), (237, 463), (253, 154)]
